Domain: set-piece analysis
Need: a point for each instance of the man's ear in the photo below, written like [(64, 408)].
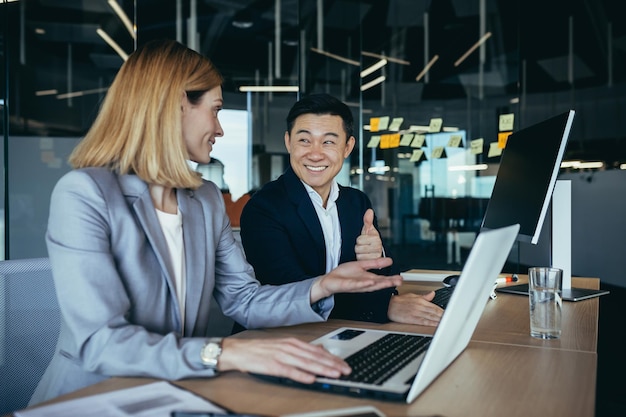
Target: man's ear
[(287, 141), (349, 146)]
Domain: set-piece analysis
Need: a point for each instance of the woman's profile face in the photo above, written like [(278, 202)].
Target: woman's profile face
[(201, 125)]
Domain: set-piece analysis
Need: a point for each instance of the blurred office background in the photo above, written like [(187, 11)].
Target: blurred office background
[(428, 81)]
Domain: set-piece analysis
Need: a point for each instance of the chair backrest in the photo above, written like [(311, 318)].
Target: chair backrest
[(29, 328)]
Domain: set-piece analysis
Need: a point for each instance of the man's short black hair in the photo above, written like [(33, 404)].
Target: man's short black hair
[(321, 104)]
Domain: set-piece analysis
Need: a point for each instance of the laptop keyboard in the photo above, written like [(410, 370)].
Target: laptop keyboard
[(379, 361), (442, 296)]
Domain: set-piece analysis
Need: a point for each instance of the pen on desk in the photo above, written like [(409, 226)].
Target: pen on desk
[(504, 280)]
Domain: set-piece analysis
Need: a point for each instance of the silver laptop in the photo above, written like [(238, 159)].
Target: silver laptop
[(424, 356)]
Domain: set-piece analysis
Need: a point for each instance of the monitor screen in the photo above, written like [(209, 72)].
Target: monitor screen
[(526, 177)]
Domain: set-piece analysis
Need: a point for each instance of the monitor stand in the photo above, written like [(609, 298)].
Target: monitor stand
[(560, 246)]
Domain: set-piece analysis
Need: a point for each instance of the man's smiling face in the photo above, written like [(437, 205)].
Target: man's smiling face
[(317, 146)]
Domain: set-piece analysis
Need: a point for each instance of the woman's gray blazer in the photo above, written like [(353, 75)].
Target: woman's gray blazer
[(114, 281)]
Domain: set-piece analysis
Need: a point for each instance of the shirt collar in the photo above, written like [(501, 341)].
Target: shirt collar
[(316, 198)]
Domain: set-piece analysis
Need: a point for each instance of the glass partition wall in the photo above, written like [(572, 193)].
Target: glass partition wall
[(435, 87)]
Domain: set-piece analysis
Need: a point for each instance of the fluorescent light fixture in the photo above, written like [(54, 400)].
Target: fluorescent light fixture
[(622, 166), (584, 165), (378, 170), (427, 67), (475, 167), (372, 83), (112, 43), (514, 100), (269, 88), (388, 58), (46, 92), (123, 17), (469, 51), (81, 93), (581, 164), (337, 57), (373, 68), (40, 31), (449, 129)]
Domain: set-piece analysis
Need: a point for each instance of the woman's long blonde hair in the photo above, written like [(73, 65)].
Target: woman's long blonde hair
[(139, 128)]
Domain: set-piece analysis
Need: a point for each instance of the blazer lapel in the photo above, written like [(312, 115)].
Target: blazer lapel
[(137, 194), (194, 236), (299, 197)]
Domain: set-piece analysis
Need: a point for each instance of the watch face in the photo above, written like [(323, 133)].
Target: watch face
[(210, 353), (212, 350)]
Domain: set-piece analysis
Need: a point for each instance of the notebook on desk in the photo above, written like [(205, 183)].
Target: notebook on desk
[(424, 357)]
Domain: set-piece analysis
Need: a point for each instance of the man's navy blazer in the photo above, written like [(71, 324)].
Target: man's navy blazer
[(283, 240)]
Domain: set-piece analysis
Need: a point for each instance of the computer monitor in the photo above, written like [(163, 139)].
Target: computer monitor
[(525, 188), (528, 171)]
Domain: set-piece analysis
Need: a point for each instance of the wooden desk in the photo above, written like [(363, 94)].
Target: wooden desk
[(503, 371), (506, 319)]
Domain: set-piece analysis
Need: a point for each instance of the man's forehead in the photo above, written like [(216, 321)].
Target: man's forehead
[(310, 121)]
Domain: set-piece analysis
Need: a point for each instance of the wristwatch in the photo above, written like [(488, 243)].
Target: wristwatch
[(211, 351)]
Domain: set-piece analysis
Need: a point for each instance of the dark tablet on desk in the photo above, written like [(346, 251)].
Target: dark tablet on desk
[(572, 294)]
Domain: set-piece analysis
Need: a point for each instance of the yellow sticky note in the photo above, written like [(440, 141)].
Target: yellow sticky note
[(476, 146), (384, 141), (395, 124), (394, 140), (374, 141), (454, 141), (502, 138), (494, 149), (438, 152), (506, 122), (435, 125), (406, 139), (417, 155), (374, 122), (418, 141)]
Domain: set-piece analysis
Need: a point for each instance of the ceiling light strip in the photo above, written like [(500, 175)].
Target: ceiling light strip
[(337, 57), (269, 88), (112, 43), (427, 67), (45, 93), (82, 93), (372, 83), (581, 164), (123, 17), (373, 68), (476, 167), (473, 48), (388, 58)]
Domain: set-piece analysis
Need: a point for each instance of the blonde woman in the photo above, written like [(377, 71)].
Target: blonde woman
[(139, 243)]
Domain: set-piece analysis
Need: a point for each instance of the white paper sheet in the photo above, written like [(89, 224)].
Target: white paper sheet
[(156, 399)]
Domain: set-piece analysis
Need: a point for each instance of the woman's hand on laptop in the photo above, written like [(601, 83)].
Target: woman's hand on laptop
[(414, 309), (354, 277), (284, 357)]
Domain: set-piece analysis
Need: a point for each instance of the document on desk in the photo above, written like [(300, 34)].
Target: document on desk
[(157, 399)]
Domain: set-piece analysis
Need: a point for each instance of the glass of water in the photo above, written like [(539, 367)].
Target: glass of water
[(544, 295)]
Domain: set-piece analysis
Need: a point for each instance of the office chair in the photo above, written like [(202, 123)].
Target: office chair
[(29, 328)]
